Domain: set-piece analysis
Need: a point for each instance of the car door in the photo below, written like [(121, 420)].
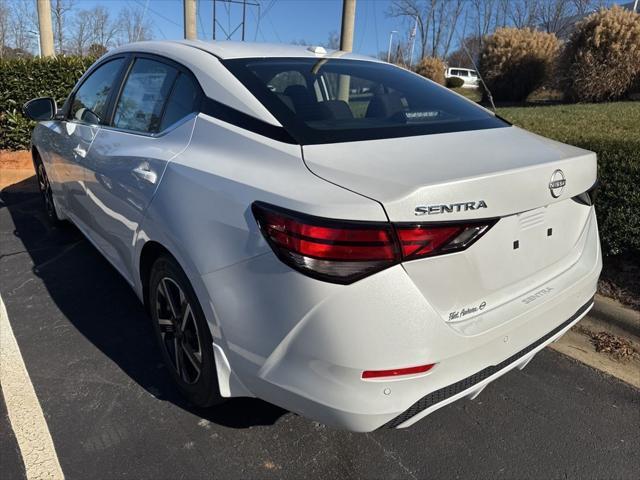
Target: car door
[(70, 137), (464, 74), (151, 121)]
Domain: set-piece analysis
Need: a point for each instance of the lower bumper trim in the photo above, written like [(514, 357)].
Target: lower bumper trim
[(450, 390)]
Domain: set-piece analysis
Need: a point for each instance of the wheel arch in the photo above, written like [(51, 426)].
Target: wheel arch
[(150, 252), (35, 153), (228, 383)]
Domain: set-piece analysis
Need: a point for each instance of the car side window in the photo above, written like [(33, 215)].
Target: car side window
[(143, 97), (90, 101), (182, 101)]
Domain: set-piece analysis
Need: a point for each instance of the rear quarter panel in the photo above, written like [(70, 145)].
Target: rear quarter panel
[(202, 209)]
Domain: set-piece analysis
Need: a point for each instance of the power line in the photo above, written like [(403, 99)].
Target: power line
[(269, 7), (144, 12), (273, 27), (257, 19), (159, 29), (204, 33), (243, 22), (159, 14)]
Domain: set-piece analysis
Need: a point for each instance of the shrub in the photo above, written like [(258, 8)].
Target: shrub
[(455, 82), (601, 60), (25, 78), (514, 62), (432, 68)]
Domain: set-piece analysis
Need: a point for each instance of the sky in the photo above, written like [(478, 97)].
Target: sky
[(280, 21), (285, 20)]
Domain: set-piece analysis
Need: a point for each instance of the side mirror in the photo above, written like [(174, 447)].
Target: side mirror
[(39, 109)]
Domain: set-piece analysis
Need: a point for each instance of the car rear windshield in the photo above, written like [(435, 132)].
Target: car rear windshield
[(338, 100)]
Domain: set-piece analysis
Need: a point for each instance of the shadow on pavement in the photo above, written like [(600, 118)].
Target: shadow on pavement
[(98, 302)]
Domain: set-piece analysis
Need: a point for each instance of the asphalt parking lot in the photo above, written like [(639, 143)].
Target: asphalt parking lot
[(113, 413)]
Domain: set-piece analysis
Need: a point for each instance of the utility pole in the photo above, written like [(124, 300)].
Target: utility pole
[(413, 42), (389, 49), (190, 32), (214, 19), (346, 43), (46, 31), (348, 22), (244, 16)]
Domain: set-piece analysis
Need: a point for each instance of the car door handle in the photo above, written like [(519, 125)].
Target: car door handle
[(143, 173)]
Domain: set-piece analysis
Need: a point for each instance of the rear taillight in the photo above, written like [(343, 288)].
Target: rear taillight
[(343, 251)]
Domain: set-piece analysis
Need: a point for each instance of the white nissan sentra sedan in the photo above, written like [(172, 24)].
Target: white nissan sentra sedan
[(325, 231)]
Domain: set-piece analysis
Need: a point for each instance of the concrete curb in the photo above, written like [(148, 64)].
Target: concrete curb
[(609, 311)]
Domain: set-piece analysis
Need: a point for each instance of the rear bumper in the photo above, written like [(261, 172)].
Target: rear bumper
[(473, 385), (303, 344)]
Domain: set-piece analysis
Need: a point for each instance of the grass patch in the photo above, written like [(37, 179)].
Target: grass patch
[(473, 94), (612, 130), (581, 124)]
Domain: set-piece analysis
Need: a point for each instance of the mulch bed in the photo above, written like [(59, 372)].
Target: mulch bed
[(19, 160), (620, 279)]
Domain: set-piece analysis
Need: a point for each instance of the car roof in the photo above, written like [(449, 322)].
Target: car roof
[(229, 49)]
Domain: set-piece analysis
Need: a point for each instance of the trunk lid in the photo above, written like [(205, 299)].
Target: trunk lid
[(504, 173), (508, 168)]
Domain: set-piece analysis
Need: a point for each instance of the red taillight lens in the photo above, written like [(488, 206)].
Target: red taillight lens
[(344, 251), (331, 250), (369, 374), (418, 241)]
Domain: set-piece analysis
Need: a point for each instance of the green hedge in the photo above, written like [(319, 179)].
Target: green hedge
[(24, 79)]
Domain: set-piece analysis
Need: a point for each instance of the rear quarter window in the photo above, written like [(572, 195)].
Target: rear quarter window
[(182, 101)]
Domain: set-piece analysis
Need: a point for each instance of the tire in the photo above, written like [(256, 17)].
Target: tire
[(45, 190), (182, 333)]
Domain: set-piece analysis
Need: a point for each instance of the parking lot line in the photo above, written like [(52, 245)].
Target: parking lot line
[(23, 409)]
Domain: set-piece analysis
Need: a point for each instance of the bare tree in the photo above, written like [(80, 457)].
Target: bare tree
[(584, 7), (554, 15), (449, 19), (502, 12), (4, 28), (467, 53), (59, 10), (134, 26), (81, 35), (104, 29), (23, 26), (416, 11), (524, 13), (435, 22), (483, 12), (333, 42)]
